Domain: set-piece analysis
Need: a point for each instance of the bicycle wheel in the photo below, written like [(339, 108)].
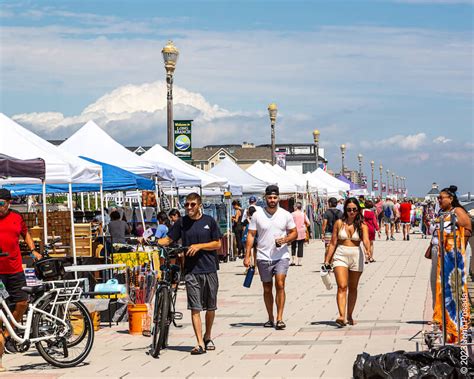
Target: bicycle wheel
[(160, 321), (77, 337)]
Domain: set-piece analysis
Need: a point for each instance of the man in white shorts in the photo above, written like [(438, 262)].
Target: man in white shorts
[(276, 230)]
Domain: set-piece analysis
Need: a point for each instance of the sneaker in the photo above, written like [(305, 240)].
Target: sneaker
[(392, 238), (408, 237), (387, 239), (10, 346)]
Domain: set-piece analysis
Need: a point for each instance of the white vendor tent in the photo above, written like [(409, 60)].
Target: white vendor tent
[(227, 168), (259, 170), (159, 155), (299, 183), (93, 142), (331, 180)]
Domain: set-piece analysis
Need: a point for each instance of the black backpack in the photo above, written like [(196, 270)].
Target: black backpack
[(336, 215)]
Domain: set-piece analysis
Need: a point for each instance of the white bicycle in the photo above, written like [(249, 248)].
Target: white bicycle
[(57, 322)]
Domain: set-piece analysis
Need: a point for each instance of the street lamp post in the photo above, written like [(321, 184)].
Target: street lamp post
[(359, 158), (372, 166), (388, 182), (170, 57), (393, 182), (272, 112), (381, 178), (343, 152), (398, 184), (316, 134)]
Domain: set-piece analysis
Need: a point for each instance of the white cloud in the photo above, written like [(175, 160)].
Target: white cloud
[(441, 140), (405, 142)]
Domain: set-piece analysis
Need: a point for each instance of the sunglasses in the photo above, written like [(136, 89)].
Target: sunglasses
[(2, 203), (443, 197), (190, 205), (351, 209)]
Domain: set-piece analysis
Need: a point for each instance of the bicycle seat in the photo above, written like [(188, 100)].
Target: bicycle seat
[(34, 289)]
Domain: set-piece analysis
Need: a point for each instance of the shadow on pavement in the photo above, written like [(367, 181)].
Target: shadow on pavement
[(417, 322), (38, 366), (246, 324), (327, 323), (187, 349)]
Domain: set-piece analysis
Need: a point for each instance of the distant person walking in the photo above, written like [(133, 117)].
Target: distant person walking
[(389, 218), (276, 229), (371, 221), (396, 213), (405, 218), (347, 258), (330, 217), (297, 246), (237, 227)]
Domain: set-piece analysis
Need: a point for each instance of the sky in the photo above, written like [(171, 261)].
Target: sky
[(391, 79)]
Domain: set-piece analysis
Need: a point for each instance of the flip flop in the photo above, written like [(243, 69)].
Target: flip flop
[(340, 323), (198, 350), (280, 325), (209, 345), (269, 324), (351, 322)]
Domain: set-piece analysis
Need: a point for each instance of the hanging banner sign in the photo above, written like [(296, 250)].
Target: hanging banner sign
[(384, 187), (363, 180), (182, 139), (376, 185), (280, 158)]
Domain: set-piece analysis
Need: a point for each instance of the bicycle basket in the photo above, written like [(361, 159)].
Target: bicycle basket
[(49, 269)]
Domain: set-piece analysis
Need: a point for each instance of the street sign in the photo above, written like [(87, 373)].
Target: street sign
[(182, 139)]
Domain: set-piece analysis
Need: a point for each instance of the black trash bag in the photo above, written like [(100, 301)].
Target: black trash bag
[(440, 363)]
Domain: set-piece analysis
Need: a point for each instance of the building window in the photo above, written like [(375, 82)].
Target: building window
[(222, 155), (309, 167), (212, 164), (202, 166)]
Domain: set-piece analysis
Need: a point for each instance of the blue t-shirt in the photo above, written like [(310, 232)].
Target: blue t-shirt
[(161, 231), (192, 232)]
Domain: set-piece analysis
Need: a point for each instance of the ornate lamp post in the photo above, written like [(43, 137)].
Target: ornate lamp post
[(359, 158), (170, 57), (343, 152), (381, 178), (398, 184), (316, 134), (272, 112), (388, 182), (393, 182), (372, 166)]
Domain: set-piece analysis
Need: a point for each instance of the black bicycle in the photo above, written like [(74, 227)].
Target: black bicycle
[(165, 300)]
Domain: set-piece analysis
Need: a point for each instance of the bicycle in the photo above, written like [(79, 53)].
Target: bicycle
[(165, 300), (57, 322)]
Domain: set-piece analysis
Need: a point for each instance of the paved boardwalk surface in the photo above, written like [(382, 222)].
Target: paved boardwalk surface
[(392, 305)]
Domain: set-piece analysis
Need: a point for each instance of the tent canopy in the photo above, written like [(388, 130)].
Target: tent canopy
[(22, 168), (114, 179), (61, 167), (331, 180), (299, 183), (259, 170), (227, 168), (93, 142), (159, 155)]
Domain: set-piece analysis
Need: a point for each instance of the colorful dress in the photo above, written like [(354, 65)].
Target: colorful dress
[(456, 296)]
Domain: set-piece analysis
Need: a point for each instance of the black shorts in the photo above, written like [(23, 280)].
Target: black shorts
[(13, 284), (201, 290)]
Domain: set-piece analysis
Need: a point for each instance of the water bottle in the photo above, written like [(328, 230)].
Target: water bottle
[(3, 291), (249, 276), (325, 276)]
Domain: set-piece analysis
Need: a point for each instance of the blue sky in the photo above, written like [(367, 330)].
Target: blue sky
[(391, 79)]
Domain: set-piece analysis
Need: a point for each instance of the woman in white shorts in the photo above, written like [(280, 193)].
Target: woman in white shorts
[(346, 255)]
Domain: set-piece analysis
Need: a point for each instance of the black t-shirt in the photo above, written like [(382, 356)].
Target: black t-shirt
[(332, 215), (197, 231)]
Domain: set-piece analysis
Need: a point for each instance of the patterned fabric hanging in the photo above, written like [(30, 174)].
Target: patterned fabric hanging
[(456, 294)]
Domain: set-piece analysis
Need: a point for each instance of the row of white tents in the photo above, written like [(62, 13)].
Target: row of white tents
[(64, 165)]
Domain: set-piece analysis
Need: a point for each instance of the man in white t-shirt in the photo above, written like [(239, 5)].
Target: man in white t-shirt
[(276, 230)]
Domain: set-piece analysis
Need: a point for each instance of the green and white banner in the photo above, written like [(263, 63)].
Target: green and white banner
[(182, 139)]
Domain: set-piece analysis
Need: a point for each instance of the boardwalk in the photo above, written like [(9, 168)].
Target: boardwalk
[(393, 302)]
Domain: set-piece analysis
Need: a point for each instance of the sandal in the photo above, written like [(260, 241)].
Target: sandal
[(280, 325), (340, 323), (209, 345), (269, 324), (372, 260), (198, 350)]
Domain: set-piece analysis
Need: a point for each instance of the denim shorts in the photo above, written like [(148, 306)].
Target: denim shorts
[(266, 269)]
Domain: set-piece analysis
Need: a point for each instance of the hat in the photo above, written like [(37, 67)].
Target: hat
[(5, 194), (252, 199), (272, 190)]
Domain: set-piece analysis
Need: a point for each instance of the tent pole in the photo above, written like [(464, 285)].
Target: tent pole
[(45, 219), (141, 210), (157, 196), (88, 201), (82, 201), (96, 201), (73, 231), (102, 216)]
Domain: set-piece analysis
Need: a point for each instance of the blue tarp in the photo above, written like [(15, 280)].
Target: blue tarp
[(113, 179)]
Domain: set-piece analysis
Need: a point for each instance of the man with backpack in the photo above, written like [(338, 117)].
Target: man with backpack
[(389, 218), (330, 217)]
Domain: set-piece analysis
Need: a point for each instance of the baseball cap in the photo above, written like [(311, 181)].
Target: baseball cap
[(272, 190), (252, 199), (5, 194)]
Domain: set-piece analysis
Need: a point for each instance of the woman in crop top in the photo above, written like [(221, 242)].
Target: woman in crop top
[(347, 258)]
